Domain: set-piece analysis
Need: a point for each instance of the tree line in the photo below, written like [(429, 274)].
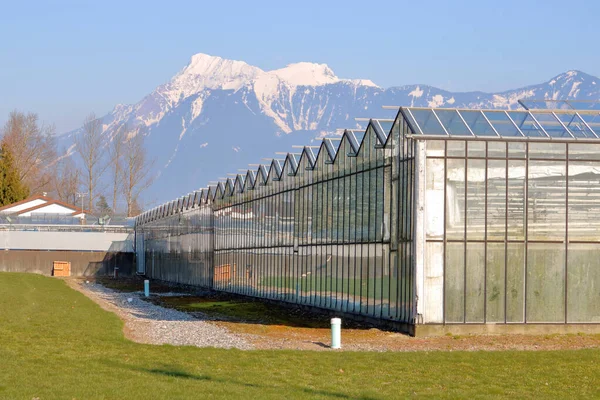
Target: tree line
[(97, 166)]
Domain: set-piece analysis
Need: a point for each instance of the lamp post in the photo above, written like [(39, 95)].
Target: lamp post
[(82, 195)]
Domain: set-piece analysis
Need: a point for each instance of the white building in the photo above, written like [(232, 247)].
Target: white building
[(37, 205)]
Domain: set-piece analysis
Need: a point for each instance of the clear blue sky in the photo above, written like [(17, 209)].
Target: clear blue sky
[(64, 59)]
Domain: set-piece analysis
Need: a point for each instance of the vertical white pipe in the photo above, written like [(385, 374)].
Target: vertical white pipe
[(147, 288), (336, 333)]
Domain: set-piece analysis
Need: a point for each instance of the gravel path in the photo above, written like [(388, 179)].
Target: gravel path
[(148, 323)]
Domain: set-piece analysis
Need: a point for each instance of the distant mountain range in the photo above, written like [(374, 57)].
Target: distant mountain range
[(216, 115)]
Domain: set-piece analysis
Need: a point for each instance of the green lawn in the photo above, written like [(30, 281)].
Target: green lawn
[(57, 344)]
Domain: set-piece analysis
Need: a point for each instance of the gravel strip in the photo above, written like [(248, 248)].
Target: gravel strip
[(149, 323)]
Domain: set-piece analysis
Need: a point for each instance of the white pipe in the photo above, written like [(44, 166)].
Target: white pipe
[(147, 288), (336, 333)]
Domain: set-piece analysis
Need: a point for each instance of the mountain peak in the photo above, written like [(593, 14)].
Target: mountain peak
[(306, 73), (213, 72)]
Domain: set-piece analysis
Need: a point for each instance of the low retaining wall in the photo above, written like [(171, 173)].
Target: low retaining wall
[(83, 263), (506, 329)]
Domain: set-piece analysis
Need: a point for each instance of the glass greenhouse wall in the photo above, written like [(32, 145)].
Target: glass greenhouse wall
[(331, 229), (518, 235), (437, 217)]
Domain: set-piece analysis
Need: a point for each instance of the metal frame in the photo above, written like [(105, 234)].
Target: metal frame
[(312, 188)]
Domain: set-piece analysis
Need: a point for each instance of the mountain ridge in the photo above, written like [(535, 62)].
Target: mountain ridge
[(217, 115)]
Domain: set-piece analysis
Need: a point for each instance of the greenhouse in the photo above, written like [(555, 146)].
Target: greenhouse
[(437, 217)]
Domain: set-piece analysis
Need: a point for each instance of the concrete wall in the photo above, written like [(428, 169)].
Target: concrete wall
[(83, 263), (83, 241)]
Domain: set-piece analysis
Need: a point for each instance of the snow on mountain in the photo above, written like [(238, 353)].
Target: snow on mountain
[(246, 113), (210, 72), (306, 74)]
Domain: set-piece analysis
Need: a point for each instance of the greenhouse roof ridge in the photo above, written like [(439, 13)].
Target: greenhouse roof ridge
[(274, 169), (535, 124)]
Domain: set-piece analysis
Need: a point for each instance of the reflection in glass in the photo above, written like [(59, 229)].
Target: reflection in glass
[(546, 203), (584, 201), (455, 199)]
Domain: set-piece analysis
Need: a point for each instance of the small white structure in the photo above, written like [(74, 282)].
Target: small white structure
[(42, 205)]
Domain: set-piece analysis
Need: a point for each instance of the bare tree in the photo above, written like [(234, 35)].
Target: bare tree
[(137, 167), (67, 179), (89, 145), (116, 161), (33, 148)]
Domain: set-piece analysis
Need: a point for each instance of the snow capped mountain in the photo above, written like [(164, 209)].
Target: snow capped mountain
[(209, 72), (218, 115)]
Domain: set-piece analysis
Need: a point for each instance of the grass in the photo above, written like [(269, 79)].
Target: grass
[(55, 344)]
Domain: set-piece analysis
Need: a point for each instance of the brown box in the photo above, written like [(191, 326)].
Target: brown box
[(224, 273), (61, 268)]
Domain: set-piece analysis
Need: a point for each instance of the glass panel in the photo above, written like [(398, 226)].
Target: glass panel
[(495, 282), (552, 126), (476, 121), (516, 200), (452, 122), (475, 199), (584, 151), (386, 126), (502, 123), (546, 219), (456, 148), (434, 201), (476, 148), (455, 277), (496, 199), (547, 104), (526, 124), (455, 199), (575, 125), (427, 122), (546, 282), (593, 121), (547, 150), (475, 282), (584, 201), (515, 280), (517, 149), (435, 148), (496, 149), (583, 282)]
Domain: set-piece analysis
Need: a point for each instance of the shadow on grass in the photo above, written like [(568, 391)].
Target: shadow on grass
[(173, 372), (232, 308), (222, 306)]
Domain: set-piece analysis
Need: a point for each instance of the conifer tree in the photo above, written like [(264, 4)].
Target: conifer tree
[(12, 189), (102, 206)]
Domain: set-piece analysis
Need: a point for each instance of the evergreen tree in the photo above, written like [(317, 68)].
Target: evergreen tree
[(12, 189), (103, 207)]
